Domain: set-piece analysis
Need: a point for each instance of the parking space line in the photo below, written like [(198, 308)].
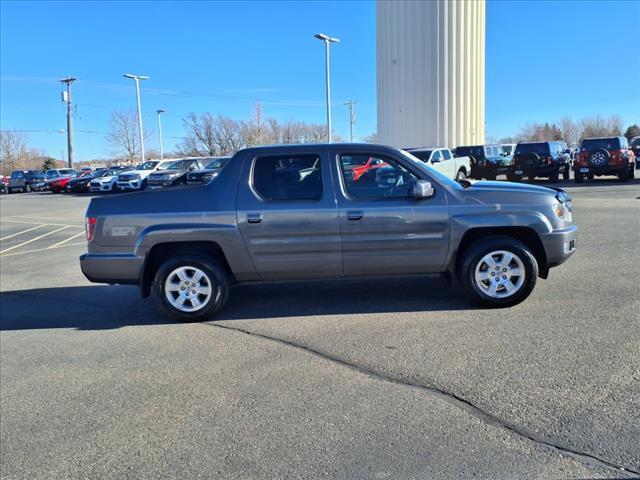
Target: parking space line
[(10, 220), (66, 240), (42, 249), (23, 231), (34, 239)]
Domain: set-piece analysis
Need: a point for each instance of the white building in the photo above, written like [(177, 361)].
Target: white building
[(431, 70)]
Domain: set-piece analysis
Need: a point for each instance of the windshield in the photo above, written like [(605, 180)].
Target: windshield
[(217, 164), (507, 149), (606, 143), (67, 171), (432, 172), (423, 155), (541, 148), (148, 166)]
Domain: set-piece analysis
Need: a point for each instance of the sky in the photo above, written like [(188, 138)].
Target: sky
[(544, 60)]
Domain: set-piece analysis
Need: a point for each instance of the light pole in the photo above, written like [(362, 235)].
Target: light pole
[(160, 133), (137, 79), (352, 118), (327, 40)]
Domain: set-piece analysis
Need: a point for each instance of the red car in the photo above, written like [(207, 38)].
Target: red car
[(358, 165), (57, 185), (604, 156)]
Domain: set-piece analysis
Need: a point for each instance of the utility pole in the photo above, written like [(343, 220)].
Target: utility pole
[(66, 97), (160, 133), (352, 117)]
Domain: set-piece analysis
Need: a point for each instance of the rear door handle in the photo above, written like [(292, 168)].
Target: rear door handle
[(355, 215), (254, 217)]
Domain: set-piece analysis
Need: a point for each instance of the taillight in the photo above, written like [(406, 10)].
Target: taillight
[(549, 160), (90, 227)]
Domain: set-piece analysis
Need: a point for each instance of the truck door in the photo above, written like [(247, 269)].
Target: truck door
[(288, 217), (384, 229)]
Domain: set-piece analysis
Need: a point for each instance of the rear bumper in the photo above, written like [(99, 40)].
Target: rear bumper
[(542, 171), (559, 245), (111, 268), (608, 170)]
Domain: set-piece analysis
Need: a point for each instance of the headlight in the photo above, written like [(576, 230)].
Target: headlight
[(563, 211)]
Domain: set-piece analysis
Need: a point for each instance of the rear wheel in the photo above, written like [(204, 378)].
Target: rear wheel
[(623, 175), (553, 178), (498, 271), (567, 173), (27, 188), (578, 177), (460, 176), (191, 287), (632, 171)]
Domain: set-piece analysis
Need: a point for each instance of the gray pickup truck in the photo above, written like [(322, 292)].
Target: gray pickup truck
[(311, 212)]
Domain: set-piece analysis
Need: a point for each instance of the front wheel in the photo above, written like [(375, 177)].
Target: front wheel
[(567, 173), (460, 176), (498, 271), (578, 178), (623, 176), (191, 287)]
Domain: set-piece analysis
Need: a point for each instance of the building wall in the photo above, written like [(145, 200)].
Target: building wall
[(430, 72)]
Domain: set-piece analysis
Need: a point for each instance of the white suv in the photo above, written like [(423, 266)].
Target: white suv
[(137, 179)]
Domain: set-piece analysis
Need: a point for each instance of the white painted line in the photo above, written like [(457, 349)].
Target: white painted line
[(21, 232), (42, 249), (65, 241), (33, 239), (33, 223), (32, 217)]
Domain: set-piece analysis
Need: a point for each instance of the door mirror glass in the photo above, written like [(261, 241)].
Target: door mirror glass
[(422, 189)]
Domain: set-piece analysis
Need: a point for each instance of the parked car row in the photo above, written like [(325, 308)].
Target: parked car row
[(551, 159), (148, 175)]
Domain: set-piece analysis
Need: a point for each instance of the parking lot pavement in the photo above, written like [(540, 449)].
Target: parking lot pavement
[(380, 378)]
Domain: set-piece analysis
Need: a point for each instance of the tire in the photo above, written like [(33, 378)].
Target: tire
[(27, 188), (460, 176), (632, 172), (190, 265), (512, 177), (9, 191), (578, 177), (144, 184), (491, 176), (623, 175), (599, 157), (531, 178), (553, 178), (475, 265), (567, 173)]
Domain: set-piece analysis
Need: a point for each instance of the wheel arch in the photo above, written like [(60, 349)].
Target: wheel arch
[(527, 235), (163, 250)]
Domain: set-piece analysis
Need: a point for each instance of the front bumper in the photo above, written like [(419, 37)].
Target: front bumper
[(559, 245), (159, 183), (130, 184), (99, 187), (111, 268)]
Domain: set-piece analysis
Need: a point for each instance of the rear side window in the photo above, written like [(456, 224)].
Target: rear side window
[(607, 143), (288, 177), (446, 154)]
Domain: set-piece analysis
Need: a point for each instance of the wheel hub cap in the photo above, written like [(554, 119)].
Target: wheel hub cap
[(188, 289), (500, 274)]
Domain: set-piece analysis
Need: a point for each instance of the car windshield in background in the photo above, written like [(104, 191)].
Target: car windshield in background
[(217, 164), (539, 148), (507, 149), (67, 171), (467, 151), (422, 154), (148, 166), (606, 143), (439, 177)]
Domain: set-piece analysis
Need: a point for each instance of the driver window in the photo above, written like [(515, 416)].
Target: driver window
[(437, 156), (370, 177)]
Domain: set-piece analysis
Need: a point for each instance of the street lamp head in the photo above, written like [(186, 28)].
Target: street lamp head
[(326, 38), (159, 111), (135, 77)]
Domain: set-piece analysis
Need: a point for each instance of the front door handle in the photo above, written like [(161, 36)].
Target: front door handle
[(355, 215), (254, 217)]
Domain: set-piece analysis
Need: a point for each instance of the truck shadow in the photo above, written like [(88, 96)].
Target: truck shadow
[(107, 307)]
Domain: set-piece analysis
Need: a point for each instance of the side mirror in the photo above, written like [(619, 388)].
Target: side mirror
[(422, 189)]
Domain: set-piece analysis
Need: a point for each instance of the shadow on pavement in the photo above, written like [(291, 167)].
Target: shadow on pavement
[(107, 307)]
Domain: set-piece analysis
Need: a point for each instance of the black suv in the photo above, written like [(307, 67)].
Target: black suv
[(487, 161), (634, 144), (604, 156), (174, 174), (540, 159), (209, 172), (26, 181)]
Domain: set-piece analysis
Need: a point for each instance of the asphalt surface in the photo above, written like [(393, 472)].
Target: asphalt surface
[(383, 378)]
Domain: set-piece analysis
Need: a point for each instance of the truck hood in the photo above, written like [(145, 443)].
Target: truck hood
[(505, 187)]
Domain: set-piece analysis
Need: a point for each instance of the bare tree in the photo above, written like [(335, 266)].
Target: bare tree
[(568, 130), (207, 135), (255, 130), (123, 134), (372, 138), (13, 151)]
